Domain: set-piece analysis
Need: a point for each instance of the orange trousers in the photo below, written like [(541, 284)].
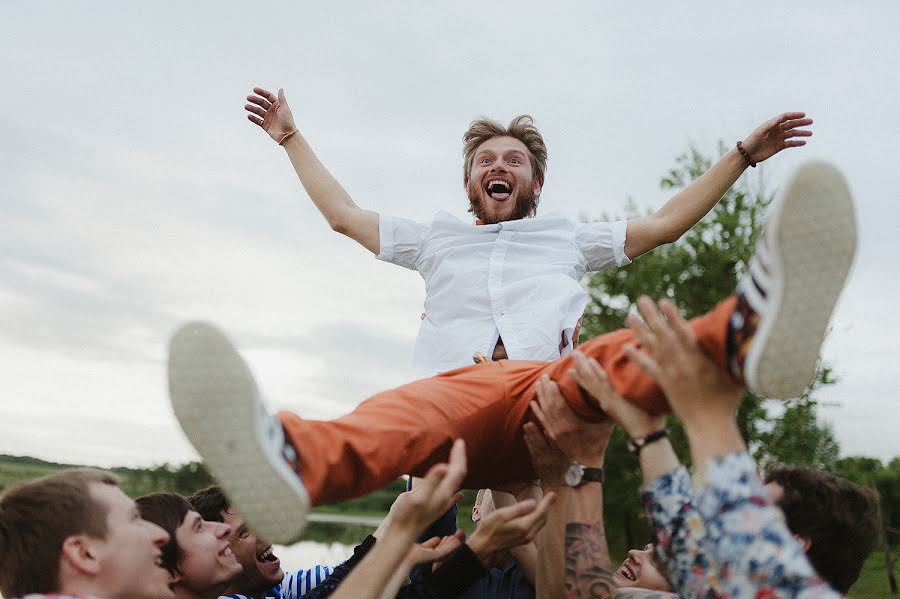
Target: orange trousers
[(408, 429)]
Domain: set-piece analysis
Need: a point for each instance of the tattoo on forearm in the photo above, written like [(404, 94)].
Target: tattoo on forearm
[(587, 562)]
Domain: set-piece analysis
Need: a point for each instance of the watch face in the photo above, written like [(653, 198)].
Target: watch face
[(574, 474)]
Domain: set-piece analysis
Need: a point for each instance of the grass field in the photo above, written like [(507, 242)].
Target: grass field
[(873, 581)]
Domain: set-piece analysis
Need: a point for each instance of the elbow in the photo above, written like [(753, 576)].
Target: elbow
[(339, 225)]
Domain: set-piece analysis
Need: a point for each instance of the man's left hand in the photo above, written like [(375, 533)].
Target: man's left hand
[(777, 134)]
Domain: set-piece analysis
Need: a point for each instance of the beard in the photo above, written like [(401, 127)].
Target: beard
[(526, 202)]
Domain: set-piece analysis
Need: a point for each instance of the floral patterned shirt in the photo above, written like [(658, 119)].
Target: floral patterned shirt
[(720, 537)]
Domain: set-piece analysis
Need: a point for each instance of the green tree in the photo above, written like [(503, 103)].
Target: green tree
[(697, 272)]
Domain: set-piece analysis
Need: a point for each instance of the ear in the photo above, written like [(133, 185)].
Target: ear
[(536, 187), (79, 553), (805, 542), (476, 516)]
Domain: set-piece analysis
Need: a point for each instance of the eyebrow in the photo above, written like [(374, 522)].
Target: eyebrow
[(506, 153)]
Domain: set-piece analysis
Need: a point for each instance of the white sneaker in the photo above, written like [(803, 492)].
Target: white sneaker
[(217, 403), (786, 298)]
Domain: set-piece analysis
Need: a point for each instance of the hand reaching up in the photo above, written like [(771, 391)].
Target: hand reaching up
[(272, 113), (509, 527), (777, 134), (591, 377), (582, 441)]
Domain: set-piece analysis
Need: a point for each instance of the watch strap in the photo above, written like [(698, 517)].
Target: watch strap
[(637, 444), (591, 475)]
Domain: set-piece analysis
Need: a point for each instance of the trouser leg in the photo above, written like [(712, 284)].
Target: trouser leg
[(410, 428)]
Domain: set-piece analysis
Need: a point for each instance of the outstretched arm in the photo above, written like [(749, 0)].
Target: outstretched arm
[(273, 114), (692, 203)]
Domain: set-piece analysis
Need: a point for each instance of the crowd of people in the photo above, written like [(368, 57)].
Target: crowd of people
[(528, 426)]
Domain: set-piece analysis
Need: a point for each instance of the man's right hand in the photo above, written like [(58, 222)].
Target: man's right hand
[(270, 112)]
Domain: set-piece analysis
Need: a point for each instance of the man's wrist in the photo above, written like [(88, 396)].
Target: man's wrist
[(479, 546)]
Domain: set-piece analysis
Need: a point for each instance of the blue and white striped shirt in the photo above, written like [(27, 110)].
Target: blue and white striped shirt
[(295, 584)]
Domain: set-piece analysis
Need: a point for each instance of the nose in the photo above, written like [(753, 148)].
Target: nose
[(159, 535), (224, 531)]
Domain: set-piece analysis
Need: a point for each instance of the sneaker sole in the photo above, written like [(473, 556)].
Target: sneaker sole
[(215, 399), (812, 240)]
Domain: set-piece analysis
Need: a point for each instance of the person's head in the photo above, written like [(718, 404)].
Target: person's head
[(76, 532), (484, 505), (262, 569), (641, 570), (197, 556), (836, 520), (503, 168)]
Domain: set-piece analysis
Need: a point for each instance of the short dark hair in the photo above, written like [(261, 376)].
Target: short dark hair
[(210, 503), (36, 517), (166, 510), (839, 518)]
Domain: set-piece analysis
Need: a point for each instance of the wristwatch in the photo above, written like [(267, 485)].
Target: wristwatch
[(579, 474)]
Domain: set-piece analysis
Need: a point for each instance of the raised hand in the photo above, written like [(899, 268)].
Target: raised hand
[(509, 527), (548, 461), (777, 134), (580, 440), (272, 113), (435, 549), (591, 377), (699, 392), (433, 495)]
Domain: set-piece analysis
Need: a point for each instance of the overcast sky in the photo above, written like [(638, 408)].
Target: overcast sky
[(135, 194)]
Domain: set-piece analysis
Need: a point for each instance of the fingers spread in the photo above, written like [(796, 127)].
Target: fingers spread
[(255, 120), (265, 94), (262, 102), (647, 363), (255, 110), (682, 328)]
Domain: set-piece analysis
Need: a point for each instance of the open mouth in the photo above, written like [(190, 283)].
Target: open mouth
[(267, 556), (626, 572), (226, 552), (498, 189)]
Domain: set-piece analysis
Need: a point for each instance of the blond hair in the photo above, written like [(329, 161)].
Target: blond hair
[(521, 128)]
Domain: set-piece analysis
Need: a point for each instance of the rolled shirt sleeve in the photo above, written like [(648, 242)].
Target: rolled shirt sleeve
[(401, 240), (602, 244)]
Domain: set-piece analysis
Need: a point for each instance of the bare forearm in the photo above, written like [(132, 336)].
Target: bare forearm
[(379, 568), (342, 214), (687, 207), (657, 458), (711, 439), (550, 541)]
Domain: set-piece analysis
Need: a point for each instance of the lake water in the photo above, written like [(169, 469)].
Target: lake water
[(306, 554)]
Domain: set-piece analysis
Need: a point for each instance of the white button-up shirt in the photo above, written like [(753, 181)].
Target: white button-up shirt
[(519, 280)]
